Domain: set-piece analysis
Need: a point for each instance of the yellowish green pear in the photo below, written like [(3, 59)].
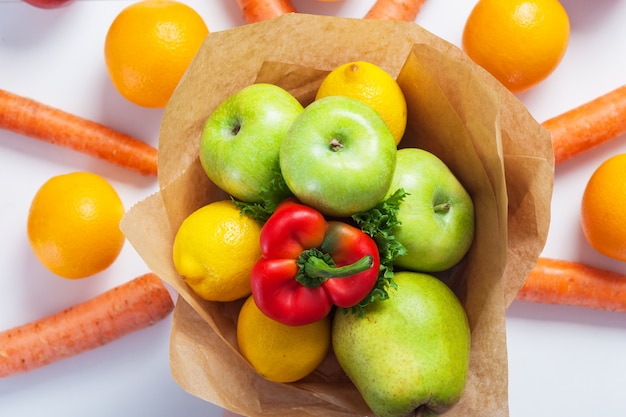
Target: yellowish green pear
[(409, 354)]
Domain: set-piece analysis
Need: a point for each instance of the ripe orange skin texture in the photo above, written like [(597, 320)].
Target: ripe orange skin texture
[(73, 225), (520, 42), (603, 208), (148, 48)]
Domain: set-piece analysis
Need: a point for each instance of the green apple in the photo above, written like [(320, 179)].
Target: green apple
[(437, 215), (338, 156), (241, 139), (409, 354)]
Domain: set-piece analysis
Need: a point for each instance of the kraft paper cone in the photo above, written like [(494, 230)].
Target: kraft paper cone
[(456, 110)]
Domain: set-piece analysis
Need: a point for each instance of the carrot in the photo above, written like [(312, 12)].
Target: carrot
[(131, 306), (554, 281), (588, 125), (259, 10), (395, 10), (34, 119)]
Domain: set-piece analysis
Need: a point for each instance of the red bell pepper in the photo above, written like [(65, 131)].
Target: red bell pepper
[(310, 264)]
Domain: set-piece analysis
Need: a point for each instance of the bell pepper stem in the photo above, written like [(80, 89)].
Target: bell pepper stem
[(317, 267)]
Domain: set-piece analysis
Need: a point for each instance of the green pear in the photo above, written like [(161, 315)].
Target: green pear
[(407, 354)]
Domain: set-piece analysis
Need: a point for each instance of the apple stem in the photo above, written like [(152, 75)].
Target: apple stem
[(442, 207), (335, 145)]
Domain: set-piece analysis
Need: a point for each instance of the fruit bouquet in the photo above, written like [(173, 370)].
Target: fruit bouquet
[(456, 111)]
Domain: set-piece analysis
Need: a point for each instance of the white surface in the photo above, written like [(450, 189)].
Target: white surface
[(563, 361)]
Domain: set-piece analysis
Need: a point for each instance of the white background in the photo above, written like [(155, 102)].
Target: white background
[(563, 361)]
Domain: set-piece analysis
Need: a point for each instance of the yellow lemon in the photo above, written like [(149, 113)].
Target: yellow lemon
[(214, 250), (371, 85), (278, 352)]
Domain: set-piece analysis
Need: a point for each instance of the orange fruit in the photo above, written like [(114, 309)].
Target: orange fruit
[(372, 85), (603, 208), (73, 224), (148, 48), (278, 352), (215, 249), (520, 42)]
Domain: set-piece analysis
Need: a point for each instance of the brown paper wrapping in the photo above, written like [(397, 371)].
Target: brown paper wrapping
[(456, 110)]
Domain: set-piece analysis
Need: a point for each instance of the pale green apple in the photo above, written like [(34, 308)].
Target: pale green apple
[(437, 215), (409, 353), (338, 156), (241, 139)]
